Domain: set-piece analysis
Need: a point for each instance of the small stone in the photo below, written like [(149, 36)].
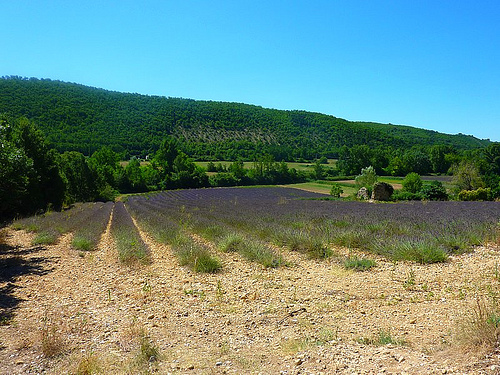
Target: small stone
[(401, 359), (218, 363), (191, 367), (413, 321), (299, 361)]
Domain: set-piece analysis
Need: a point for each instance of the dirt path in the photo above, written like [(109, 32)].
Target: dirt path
[(309, 318)]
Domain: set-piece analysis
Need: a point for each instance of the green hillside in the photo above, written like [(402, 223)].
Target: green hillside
[(81, 118)]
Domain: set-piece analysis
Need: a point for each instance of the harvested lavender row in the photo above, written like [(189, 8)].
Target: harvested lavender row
[(131, 248), (89, 233), (205, 220)]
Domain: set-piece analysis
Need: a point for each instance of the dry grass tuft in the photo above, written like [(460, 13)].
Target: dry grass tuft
[(89, 365), (480, 331), (52, 341), (136, 339)]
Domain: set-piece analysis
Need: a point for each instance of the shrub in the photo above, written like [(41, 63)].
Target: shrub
[(406, 196), (195, 256), (231, 243), (435, 191), (383, 338), (260, 253), (81, 243), (336, 190), (45, 238), (480, 194), (412, 183), (420, 251), (367, 177), (88, 365), (52, 341)]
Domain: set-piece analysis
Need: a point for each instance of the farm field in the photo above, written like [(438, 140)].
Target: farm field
[(249, 164), (349, 186), (257, 280)]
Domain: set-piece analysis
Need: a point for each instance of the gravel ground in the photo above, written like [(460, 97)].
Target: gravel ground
[(73, 310)]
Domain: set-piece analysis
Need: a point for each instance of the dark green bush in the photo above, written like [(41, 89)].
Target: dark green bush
[(336, 191), (435, 191), (412, 183), (406, 196)]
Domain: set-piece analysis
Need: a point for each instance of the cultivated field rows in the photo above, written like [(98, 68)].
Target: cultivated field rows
[(306, 313)]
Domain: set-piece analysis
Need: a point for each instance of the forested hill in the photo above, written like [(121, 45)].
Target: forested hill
[(81, 118)]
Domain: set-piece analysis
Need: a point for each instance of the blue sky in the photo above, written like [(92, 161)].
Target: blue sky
[(429, 64)]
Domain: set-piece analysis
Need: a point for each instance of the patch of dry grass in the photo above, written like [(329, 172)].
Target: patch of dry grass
[(89, 364), (51, 338), (480, 330), (146, 353)]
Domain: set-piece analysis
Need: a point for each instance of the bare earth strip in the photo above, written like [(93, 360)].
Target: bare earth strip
[(307, 318)]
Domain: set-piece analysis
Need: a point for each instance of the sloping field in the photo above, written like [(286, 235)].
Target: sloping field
[(69, 311)]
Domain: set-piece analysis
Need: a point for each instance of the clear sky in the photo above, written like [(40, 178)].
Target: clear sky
[(431, 64)]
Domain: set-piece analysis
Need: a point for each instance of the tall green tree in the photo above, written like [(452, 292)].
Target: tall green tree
[(47, 187), (80, 179)]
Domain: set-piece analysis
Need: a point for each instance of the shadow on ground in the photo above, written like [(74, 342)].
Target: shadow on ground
[(15, 262)]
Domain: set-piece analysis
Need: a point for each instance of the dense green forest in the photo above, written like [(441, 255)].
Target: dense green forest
[(62, 143), (74, 117)]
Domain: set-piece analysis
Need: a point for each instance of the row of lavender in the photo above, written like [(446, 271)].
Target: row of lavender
[(169, 213), (424, 232), (86, 220)]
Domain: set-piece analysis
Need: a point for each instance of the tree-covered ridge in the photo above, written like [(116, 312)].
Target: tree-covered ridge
[(80, 118)]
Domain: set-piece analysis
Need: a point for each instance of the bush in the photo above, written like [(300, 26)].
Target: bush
[(435, 191), (81, 243), (406, 196), (336, 190), (367, 177), (231, 243), (412, 183), (480, 194)]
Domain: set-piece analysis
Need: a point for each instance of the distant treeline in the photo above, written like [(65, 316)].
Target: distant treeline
[(35, 177), (79, 118)]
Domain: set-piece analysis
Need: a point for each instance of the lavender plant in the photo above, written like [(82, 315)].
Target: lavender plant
[(87, 236), (131, 248)]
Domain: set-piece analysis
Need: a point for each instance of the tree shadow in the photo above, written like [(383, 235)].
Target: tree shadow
[(13, 264)]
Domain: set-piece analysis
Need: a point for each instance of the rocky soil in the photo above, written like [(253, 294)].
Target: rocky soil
[(66, 311)]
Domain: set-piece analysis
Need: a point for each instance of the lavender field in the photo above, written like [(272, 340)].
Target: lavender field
[(259, 223), (262, 219)]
